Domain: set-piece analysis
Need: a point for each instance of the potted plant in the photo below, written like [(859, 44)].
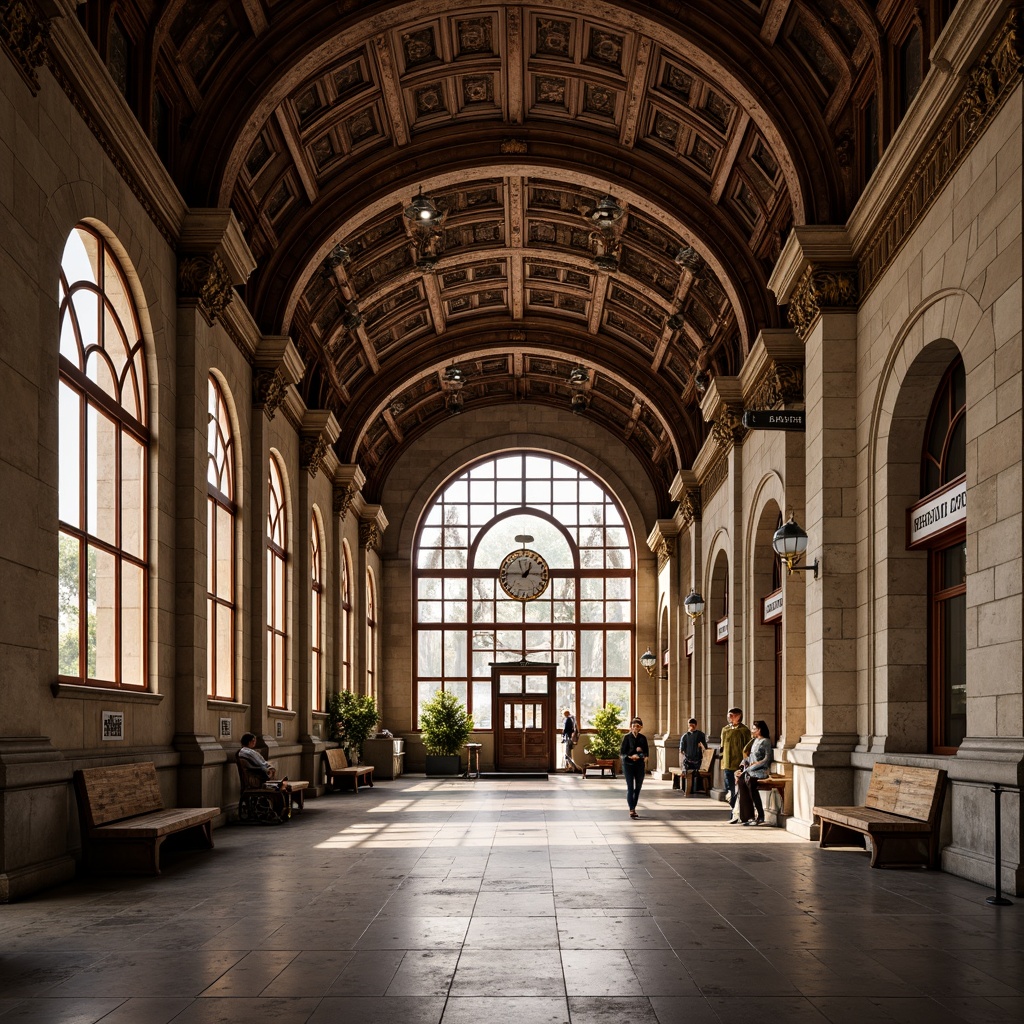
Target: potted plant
[(606, 742), (445, 728), (351, 717)]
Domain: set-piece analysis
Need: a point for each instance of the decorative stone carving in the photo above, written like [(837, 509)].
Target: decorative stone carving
[(716, 475), (343, 496), (780, 384), (513, 147), (819, 289), (666, 549), (268, 391), (206, 279), (728, 429), (312, 452), (25, 35), (689, 507), (369, 534)]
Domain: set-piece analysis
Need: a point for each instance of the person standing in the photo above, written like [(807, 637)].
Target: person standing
[(692, 745), (735, 737), (634, 753), (570, 737), (758, 763)]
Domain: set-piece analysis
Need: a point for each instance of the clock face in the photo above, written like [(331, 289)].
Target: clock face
[(523, 575)]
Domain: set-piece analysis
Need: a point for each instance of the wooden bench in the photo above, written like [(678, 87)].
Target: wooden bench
[(337, 767), (774, 784), (124, 821), (601, 765), (686, 780), (899, 819), (266, 803)]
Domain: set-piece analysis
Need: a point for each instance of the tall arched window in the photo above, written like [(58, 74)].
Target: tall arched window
[(103, 458), (316, 601), (943, 467), (276, 604), (371, 635), (583, 622), (220, 547), (346, 619)]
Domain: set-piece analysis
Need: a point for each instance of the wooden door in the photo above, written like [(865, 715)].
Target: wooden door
[(524, 719)]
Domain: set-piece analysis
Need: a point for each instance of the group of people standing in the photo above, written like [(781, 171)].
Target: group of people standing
[(746, 758)]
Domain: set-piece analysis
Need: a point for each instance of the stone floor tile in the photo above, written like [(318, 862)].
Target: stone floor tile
[(661, 973), (487, 972), (393, 1010), (234, 1010), (514, 932), (612, 1010), (414, 933), (505, 1010), (368, 973), (60, 1011), (620, 932), (684, 1010), (424, 973), (599, 972)]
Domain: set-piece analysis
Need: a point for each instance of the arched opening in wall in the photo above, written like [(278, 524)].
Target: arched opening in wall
[(277, 555), (665, 708), (345, 618), (371, 634), (468, 612), (316, 611), (921, 673), (718, 666), (103, 446), (767, 631)]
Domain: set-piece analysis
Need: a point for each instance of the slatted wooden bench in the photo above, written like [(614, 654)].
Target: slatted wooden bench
[(266, 803), (124, 821), (900, 817), (337, 767), (774, 784), (601, 765), (686, 780)]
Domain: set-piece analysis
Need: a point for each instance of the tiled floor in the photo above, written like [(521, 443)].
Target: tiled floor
[(482, 902)]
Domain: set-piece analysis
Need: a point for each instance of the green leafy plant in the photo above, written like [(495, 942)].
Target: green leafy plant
[(607, 739), (351, 717), (445, 725)]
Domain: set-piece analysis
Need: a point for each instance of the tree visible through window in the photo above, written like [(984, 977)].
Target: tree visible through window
[(584, 620), (220, 548), (103, 457)]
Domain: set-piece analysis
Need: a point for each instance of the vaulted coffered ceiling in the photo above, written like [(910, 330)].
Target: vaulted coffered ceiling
[(715, 126)]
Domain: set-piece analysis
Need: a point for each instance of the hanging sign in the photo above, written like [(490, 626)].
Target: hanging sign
[(771, 606), (722, 630), (689, 646), (941, 512), (774, 419)]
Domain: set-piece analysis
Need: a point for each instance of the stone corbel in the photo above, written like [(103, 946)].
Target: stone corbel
[(278, 365), (348, 482), (662, 540), (685, 490), (773, 373), (213, 258), (25, 35), (317, 435), (722, 407), (372, 524)]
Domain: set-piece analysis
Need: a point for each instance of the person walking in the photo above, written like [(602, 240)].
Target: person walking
[(692, 745), (758, 764), (570, 737), (634, 751), (735, 737)]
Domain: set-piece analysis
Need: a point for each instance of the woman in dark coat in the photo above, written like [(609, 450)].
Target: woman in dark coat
[(634, 753)]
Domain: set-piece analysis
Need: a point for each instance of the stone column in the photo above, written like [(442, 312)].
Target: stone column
[(662, 541), (685, 490), (213, 259), (372, 524), (816, 276)]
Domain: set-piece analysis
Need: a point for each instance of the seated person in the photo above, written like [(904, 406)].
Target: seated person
[(255, 762)]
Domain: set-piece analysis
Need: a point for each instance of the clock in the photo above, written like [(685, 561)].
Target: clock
[(523, 574)]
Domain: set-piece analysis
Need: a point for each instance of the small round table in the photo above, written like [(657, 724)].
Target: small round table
[(473, 749)]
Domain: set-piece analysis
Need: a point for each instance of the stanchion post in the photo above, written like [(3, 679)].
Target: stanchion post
[(999, 900)]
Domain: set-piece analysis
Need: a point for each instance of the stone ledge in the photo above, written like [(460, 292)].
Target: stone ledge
[(83, 692)]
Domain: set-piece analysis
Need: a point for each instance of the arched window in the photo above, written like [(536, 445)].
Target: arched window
[(316, 600), (371, 635), (220, 547), (276, 605), (104, 464), (584, 620), (943, 466), (346, 619)]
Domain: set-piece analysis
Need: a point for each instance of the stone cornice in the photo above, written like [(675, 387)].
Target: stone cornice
[(25, 35), (318, 433), (348, 482), (662, 540), (78, 70), (217, 232), (372, 524), (278, 365), (722, 407), (808, 245)]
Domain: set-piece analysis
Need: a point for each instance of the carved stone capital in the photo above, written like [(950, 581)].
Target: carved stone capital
[(727, 428), (369, 534), (779, 384), (343, 495), (312, 452), (25, 35), (689, 507), (205, 279), (268, 391), (818, 289), (666, 549)]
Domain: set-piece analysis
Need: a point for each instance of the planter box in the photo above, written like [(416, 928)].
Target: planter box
[(443, 764)]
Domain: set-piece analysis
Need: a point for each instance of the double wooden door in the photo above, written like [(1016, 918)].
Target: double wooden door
[(524, 717)]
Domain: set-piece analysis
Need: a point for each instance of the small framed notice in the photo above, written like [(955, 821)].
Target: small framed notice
[(279, 729), (225, 728), (112, 725)]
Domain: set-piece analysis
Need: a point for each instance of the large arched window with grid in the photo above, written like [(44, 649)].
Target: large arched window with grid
[(583, 622), (316, 606), (103, 457), (277, 554), (220, 547)]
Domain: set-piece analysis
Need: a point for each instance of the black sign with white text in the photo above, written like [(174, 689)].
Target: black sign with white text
[(774, 419)]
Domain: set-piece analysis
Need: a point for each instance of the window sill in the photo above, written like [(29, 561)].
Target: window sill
[(225, 705), (81, 692)]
